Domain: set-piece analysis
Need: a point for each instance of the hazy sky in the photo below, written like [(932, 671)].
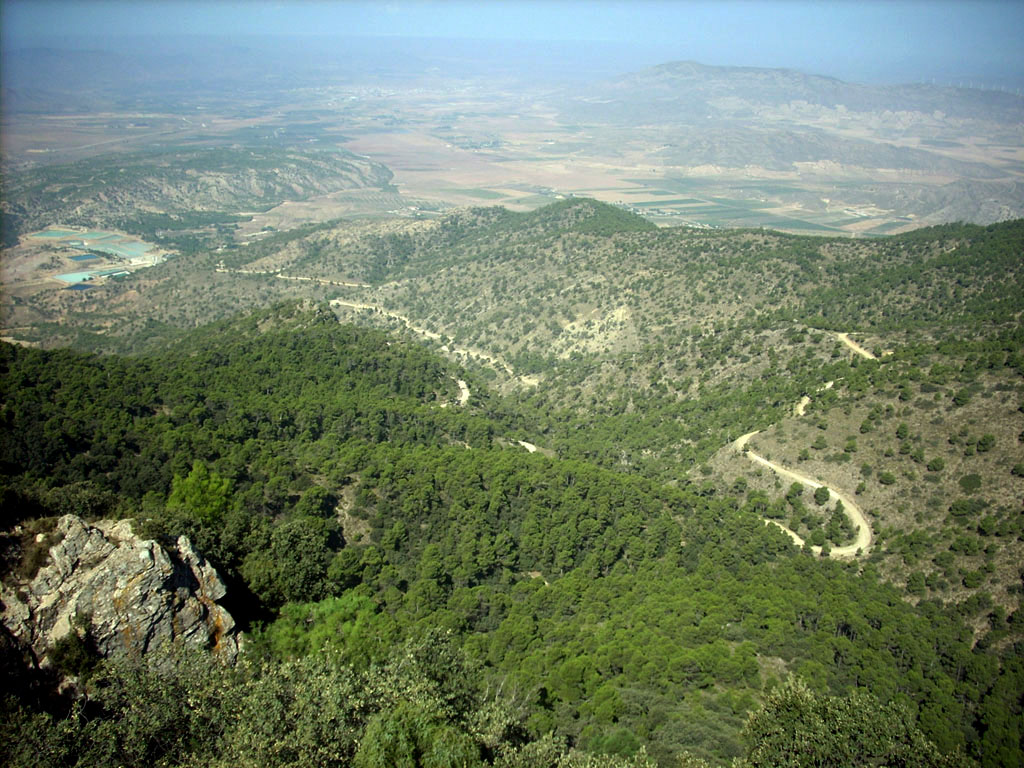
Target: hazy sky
[(894, 40)]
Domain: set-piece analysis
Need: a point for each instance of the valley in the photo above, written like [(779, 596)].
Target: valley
[(667, 344), (372, 405), (681, 143)]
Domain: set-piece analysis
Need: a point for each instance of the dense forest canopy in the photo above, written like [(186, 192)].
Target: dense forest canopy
[(356, 509), (371, 395)]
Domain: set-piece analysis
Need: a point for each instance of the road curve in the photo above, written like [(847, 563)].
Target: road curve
[(463, 392), (845, 338), (860, 546), (432, 335)]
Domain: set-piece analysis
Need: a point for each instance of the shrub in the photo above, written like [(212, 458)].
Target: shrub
[(963, 508), (972, 579), (916, 584), (75, 653), (970, 483)]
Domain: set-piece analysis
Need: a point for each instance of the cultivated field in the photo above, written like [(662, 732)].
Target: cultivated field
[(461, 143)]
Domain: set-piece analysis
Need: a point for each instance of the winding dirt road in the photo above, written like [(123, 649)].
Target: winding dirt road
[(428, 334), (862, 544), (494, 362), (801, 408), (845, 338), (463, 392)]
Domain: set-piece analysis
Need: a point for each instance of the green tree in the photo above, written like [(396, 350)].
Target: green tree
[(415, 735), (798, 728), (293, 568), (970, 483), (316, 502), (961, 397), (204, 495), (351, 626)]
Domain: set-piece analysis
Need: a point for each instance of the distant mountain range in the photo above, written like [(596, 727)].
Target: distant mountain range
[(804, 147), (687, 90), (934, 153)]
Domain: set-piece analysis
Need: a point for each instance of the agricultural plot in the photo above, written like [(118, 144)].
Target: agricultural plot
[(60, 257), (121, 247)]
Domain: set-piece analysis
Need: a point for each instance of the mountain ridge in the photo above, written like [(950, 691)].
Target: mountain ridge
[(334, 488), (786, 85)]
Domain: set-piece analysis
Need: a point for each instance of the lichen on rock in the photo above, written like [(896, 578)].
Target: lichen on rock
[(136, 594)]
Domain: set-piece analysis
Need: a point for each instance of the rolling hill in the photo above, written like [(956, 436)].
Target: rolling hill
[(533, 430), (178, 188), (355, 500), (650, 350)]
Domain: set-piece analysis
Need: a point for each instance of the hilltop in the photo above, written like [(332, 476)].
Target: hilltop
[(650, 350), (356, 492), (364, 404)]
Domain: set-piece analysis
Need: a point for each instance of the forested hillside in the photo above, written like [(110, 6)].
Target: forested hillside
[(383, 386), (415, 582), (650, 351)]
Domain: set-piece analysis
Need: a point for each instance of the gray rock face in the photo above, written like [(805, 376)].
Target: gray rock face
[(137, 595)]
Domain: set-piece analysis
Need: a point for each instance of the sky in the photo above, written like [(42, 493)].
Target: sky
[(867, 41)]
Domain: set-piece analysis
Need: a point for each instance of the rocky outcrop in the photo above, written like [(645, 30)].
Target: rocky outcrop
[(135, 594)]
